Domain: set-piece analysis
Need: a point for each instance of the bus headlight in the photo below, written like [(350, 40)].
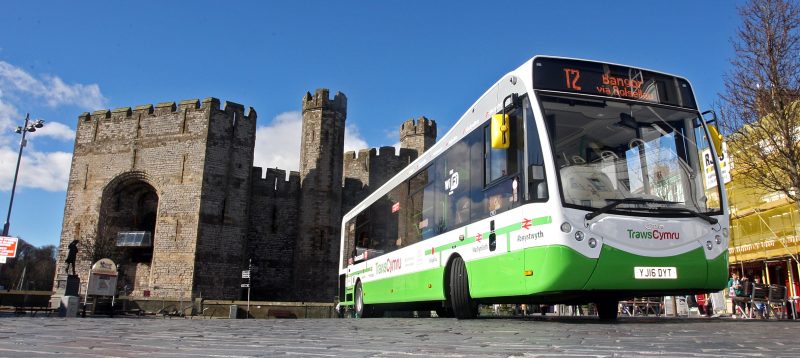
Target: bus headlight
[(566, 227), (709, 245), (725, 232), (592, 242), (718, 239), (579, 235)]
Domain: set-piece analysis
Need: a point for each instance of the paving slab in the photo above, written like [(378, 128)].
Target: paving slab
[(397, 337)]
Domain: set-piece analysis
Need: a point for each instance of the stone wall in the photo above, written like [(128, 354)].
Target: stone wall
[(274, 216), (225, 196)]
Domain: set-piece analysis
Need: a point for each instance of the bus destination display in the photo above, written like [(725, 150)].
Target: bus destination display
[(613, 81)]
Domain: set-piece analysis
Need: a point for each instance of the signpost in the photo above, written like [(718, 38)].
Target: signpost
[(246, 275), (8, 248)]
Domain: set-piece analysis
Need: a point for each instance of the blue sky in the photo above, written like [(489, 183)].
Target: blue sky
[(393, 59)]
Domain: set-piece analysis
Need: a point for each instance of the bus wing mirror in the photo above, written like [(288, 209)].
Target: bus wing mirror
[(500, 131), (709, 116), (716, 139)]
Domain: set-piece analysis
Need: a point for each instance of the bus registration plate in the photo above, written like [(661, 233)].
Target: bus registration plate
[(646, 273)]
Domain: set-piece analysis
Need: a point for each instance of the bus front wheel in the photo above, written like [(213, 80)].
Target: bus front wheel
[(464, 307), (607, 310)]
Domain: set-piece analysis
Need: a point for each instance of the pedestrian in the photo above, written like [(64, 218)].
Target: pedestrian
[(734, 291)]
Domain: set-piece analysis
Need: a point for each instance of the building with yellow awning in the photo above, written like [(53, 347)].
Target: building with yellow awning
[(764, 235)]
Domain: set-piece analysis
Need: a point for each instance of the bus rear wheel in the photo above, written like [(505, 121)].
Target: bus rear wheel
[(607, 310), (363, 310), (359, 301), (445, 312), (464, 307)]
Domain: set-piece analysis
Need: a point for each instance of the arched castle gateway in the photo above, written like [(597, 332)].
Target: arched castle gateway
[(170, 193)]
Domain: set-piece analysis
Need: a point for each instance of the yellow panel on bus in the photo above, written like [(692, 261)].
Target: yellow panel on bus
[(500, 132)]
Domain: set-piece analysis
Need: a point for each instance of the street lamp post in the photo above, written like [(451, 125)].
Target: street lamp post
[(28, 127)]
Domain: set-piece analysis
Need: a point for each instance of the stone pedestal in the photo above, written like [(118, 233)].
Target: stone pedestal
[(66, 285), (69, 306)]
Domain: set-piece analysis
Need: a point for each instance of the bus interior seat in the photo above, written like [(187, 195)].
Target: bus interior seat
[(584, 183)]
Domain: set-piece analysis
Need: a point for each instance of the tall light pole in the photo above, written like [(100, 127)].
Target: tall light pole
[(28, 127)]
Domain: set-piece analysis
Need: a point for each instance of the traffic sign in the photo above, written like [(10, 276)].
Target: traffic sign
[(8, 247), (245, 285), (246, 274)]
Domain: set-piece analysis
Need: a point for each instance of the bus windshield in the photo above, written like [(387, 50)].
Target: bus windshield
[(609, 150)]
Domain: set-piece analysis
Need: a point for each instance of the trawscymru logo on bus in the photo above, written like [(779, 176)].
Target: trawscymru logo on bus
[(388, 266), (653, 232)]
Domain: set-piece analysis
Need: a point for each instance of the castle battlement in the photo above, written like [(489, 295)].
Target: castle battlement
[(419, 134), (276, 180), (356, 164), (422, 125), (385, 151), (320, 100), (167, 108)]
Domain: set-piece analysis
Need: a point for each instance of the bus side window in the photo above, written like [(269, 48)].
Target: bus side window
[(501, 169), (501, 163), (350, 241), (364, 241), (537, 181), (454, 183), (362, 232), (422, 205), (476, 177)]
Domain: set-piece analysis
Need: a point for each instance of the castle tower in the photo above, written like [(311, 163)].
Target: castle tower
[(419, 135), (176, 174), (316, 253)]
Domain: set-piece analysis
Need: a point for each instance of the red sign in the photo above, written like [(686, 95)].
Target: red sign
[(395, 207), (8, 246), (526, 223)]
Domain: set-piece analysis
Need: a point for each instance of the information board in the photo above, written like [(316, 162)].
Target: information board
[(103, 278)]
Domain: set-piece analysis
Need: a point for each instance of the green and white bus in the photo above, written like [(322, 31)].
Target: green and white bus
[(567, 181)]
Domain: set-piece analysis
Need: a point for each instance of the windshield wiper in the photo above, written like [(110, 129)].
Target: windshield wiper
[(616, 202), (705, 217)]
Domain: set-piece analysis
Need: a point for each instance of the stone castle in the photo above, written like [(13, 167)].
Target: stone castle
[(170, 193)]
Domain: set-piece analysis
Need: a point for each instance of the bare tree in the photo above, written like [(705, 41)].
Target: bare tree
[(760, 109), (31, 269)]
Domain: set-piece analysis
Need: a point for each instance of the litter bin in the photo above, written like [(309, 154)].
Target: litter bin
[(234, 309)]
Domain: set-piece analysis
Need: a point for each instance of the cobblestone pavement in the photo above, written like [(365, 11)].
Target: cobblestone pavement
[(393, 337)]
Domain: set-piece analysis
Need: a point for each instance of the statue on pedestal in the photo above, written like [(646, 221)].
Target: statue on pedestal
[(71, 256)]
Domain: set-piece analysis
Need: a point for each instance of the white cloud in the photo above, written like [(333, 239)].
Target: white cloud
[(353, 139), (39, 169), (86, 96), (56, 130), (7, 113), (47, 171), (51, 88), (278, 143)]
